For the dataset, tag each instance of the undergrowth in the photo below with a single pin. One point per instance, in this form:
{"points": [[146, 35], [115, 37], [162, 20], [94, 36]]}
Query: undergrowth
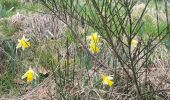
{"points": [[106, 49]]}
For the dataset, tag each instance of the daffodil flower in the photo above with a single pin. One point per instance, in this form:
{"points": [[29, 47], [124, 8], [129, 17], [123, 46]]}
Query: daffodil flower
{"points": [[134, 42], [107, 80], [94, 48], [94, 38], [94, 42], [30, 75], [24, 43]]}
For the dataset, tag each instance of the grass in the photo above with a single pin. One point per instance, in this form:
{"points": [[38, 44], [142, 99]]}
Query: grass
{"points": [[6, 28], [159, 4], [8, 7], [7, 84], [7, 79], [8, 4]]}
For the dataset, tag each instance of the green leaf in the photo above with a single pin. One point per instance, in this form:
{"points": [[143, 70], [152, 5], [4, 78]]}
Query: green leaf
{"points": [[167, 44], [88, 62]]}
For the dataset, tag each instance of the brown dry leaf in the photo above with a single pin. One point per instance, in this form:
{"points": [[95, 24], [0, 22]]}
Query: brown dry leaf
{"points": [[42, 70]]}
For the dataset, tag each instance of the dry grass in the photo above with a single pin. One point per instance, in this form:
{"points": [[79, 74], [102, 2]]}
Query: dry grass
{"points": [[38, 24]]}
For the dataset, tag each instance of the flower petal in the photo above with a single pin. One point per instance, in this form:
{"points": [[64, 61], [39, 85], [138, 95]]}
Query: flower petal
{"points": [[18, 46], [105, 83], [25, 75], [110, 78], [23, 48], [19, 40], [23, 37]]}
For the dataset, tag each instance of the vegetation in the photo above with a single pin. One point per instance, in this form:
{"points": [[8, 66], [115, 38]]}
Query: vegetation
{"points": [[84, 49]]}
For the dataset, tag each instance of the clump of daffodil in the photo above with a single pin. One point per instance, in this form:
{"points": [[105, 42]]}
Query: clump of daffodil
{"points": [[107, 80], [134, 43], [94, 43], [30, 75], [23, 43]]}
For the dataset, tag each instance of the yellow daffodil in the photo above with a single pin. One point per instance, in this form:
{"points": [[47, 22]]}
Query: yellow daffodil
{"points": [[30, 75], [107, 80], [94, 42], [94, 38], [134, 42], [94, 48], [24, 43]]}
